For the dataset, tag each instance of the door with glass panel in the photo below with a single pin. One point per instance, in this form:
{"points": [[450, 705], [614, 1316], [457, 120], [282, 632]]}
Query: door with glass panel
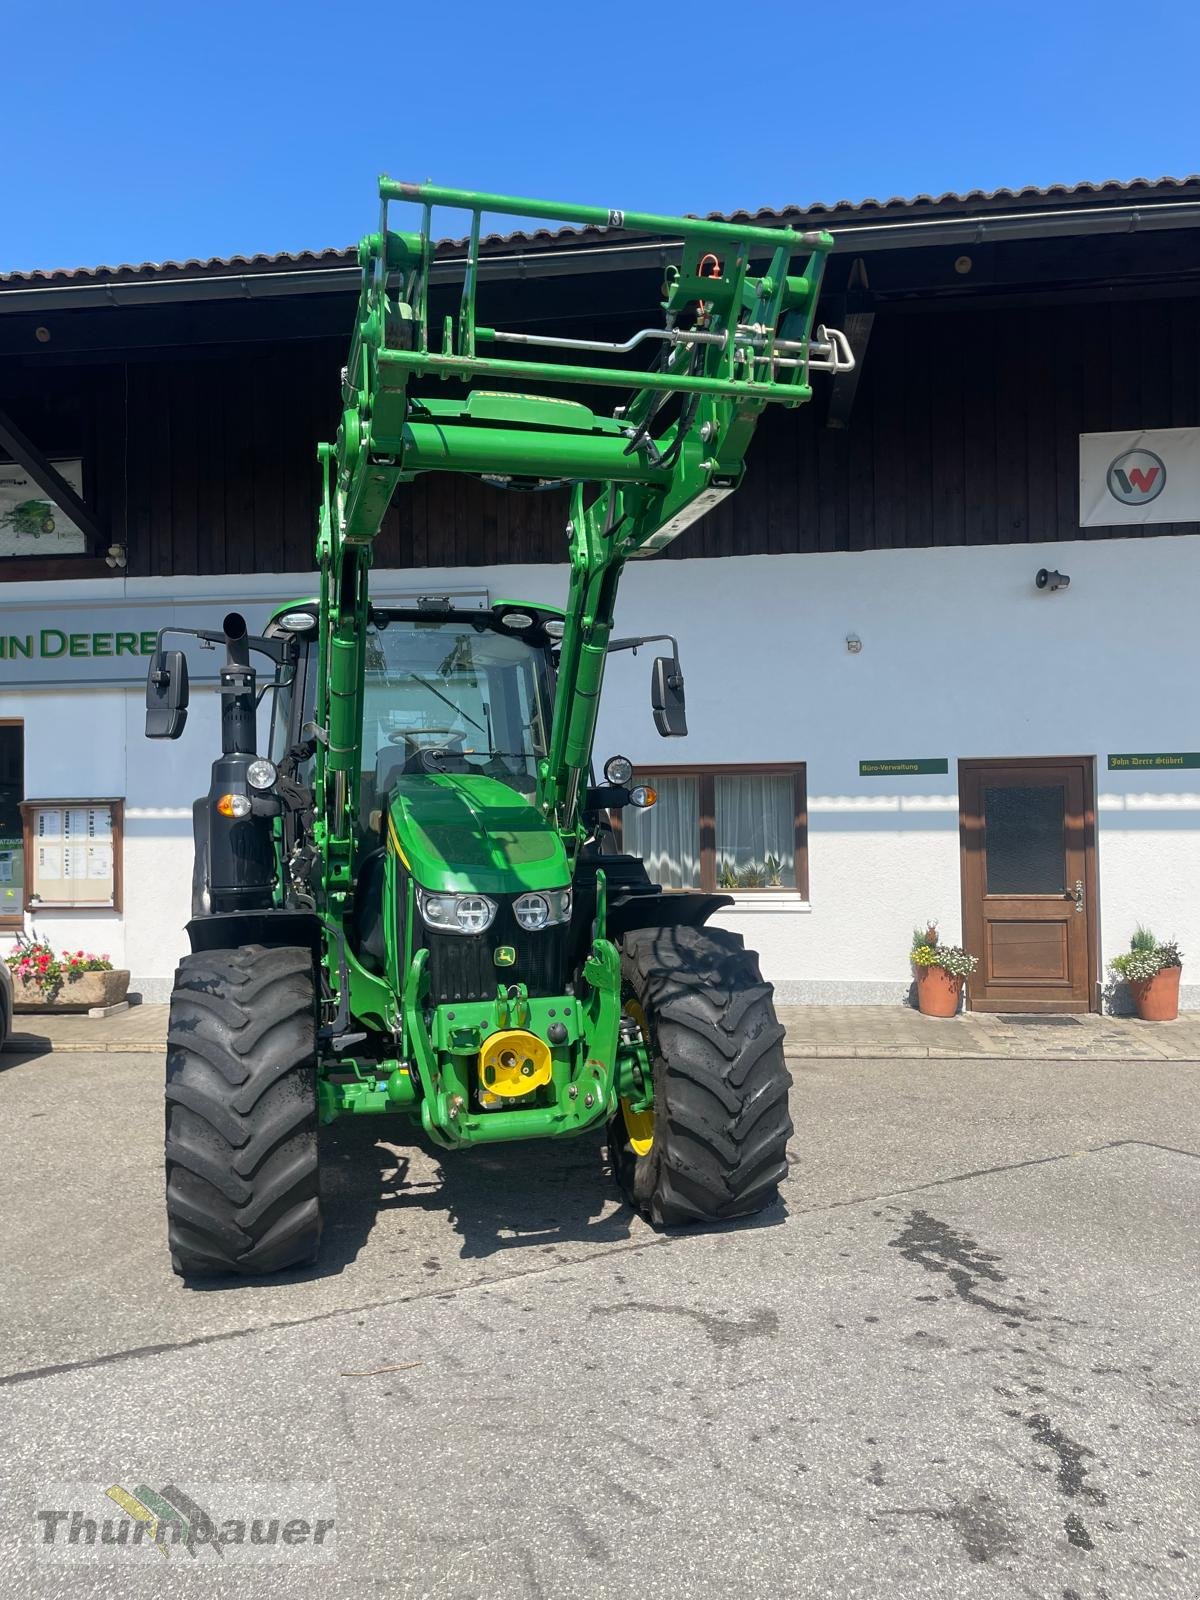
{"points": [[1027, 832]]}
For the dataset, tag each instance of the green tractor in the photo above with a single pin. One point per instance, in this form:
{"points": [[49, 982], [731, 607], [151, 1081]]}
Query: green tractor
{"points": [[412, 902]]}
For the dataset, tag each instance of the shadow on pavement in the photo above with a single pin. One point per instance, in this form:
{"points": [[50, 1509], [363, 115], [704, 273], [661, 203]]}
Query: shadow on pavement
{"points": [[19, 1048], [495, 1197]]}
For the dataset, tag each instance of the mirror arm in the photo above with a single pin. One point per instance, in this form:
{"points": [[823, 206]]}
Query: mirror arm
{"points": [[275, 649], [650, 638]]}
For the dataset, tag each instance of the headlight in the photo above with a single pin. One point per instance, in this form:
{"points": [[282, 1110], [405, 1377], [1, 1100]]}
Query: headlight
{"points": [[456, 913], [534, 911], [643, 795], [234, 805], [261, 774], [618, 769]]}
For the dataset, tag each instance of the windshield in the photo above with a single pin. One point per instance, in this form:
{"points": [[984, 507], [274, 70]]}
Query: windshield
{"points": [[452, 697]]}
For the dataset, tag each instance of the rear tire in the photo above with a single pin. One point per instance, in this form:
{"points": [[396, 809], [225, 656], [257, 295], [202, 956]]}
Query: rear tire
{"points": [[721, 1122], [241, 1100]]}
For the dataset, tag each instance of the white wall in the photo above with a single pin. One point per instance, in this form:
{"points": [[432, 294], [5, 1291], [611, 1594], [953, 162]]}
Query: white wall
{"points": [[961, 657]]}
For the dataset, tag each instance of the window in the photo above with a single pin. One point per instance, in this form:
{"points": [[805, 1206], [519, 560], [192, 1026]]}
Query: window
{"points": [[723, 828], [12, 837], [472, 695]]}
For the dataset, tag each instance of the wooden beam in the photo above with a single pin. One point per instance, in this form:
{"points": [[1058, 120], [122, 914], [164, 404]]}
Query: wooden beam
{"points": [[50, 481], [857, 328]]}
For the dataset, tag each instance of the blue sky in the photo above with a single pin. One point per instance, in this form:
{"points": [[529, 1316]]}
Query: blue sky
{"points": [[151, 131]]}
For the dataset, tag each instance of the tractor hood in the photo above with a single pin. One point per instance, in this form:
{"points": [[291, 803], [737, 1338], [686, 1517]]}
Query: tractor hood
{"points": [[463, 834]]}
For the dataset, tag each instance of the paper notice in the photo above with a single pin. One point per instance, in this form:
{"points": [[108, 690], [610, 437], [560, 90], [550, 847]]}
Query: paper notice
{"points": [[100, 861], [100, 823], [49, 861], [50, 823], [6, 869], [75, 861], [77, 823]]}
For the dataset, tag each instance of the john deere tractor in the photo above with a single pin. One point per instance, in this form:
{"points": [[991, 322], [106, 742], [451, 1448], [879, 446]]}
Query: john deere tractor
{"points": [[410, 900]]}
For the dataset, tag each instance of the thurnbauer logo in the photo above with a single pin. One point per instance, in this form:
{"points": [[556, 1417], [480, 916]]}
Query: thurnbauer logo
{"points": [[1137, 477], [169, 1521]]}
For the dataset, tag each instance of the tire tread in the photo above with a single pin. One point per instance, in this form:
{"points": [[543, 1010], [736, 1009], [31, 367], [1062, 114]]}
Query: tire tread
{"points": [[243, 1190], [721, 1083]]}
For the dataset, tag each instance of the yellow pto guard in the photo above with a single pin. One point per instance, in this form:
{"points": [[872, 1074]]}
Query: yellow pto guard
{"points": [[513, 1063]]}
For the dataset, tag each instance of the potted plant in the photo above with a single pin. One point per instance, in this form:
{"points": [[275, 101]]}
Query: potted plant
{"points": [[1152, 971], [75, 980], [940, 969]]}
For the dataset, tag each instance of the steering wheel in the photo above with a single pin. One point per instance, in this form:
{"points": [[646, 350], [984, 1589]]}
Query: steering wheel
{"points": [[400, 735]]}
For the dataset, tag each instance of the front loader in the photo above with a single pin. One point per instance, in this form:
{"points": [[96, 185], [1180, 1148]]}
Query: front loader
{"points": [[411, 901]]}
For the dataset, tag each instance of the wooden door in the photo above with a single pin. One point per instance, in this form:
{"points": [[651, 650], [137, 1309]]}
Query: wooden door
{"points": [[1027, 832]]}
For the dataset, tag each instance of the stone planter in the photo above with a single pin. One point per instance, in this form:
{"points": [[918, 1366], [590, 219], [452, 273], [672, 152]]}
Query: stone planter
{"points": [[88, 990]]}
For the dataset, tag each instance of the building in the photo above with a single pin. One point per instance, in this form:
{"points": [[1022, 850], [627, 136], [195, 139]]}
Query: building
{"points": [[891, 721]]}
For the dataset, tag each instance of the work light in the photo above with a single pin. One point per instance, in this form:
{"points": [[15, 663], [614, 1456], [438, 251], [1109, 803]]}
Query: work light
{"points": [[261, 774]]}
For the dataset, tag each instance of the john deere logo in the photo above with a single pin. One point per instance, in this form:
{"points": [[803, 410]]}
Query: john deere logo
{"points": [[1137, 477]]}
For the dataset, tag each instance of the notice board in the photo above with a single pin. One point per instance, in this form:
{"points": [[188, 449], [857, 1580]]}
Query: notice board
{"points": [[73, 853]]}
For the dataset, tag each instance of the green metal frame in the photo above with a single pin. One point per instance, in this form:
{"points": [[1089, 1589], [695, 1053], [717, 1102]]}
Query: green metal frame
{"points": [[731, 343]]}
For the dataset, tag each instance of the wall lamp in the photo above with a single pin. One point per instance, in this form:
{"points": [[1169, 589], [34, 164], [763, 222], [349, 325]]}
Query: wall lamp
{"points": [[1051, 580]]}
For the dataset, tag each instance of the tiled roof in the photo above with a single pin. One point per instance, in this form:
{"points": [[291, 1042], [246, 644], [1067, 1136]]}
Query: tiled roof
{"points": [[976, 202]]}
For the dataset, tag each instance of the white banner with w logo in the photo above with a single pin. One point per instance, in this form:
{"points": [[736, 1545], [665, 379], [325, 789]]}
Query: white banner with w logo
{"points": [[1148, 475]]}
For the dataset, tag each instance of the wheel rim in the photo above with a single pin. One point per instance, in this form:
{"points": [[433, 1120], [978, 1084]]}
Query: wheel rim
{"points": [[639, 1125]]}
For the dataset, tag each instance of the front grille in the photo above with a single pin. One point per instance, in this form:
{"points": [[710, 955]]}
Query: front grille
{"points": [[461, 965]]}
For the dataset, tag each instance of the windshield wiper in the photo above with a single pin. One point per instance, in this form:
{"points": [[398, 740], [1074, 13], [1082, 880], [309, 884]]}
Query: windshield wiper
{"points": [[446, 700]]}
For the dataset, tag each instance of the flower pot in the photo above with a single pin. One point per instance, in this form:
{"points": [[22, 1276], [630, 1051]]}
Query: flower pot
{"points": [[938, 992], [80, 994], [1156, 999]]}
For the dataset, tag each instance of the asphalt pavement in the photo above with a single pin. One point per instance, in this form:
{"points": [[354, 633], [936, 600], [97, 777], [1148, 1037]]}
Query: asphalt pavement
{"points": [[959, 1358]]}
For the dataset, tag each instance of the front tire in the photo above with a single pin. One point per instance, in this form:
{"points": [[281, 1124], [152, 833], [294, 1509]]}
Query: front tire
{"points": [[720, 1119], [241, 1102]]}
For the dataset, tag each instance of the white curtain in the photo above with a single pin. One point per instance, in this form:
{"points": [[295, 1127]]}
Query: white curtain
{"points": [[756, 830], [667, 835]]}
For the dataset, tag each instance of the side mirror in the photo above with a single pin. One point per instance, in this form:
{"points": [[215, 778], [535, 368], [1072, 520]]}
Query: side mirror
{"points": [[666, 697], [166, 694]]}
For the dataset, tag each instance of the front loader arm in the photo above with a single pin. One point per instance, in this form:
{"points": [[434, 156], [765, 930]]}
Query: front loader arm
{"points": [[730, 344]]}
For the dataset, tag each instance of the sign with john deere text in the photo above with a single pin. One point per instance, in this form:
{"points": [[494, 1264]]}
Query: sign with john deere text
{"points": [[903, 767], [1145, 475], [1158, 762]]}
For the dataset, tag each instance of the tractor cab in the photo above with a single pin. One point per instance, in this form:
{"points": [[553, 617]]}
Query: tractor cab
{"points": [[446, 692]]}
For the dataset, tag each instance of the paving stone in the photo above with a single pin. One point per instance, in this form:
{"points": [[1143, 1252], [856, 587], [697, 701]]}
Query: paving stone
{"points": [[829, 1032]]}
